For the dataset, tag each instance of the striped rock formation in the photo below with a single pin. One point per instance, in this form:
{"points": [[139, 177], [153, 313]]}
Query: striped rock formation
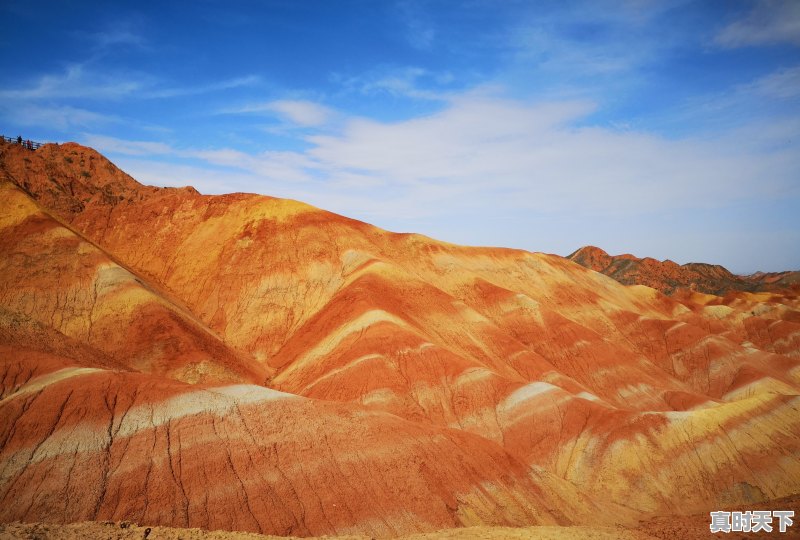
{"points": [[249, 363]]}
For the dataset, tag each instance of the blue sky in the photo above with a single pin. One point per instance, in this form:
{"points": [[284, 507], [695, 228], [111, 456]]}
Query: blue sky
{"points": [[664, 128]]}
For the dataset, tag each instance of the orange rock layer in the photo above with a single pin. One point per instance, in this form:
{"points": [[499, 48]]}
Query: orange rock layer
{"points": [[248, 363]]}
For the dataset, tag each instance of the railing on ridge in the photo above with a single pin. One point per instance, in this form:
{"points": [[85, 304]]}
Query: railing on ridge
{"points": [[15, 140]]}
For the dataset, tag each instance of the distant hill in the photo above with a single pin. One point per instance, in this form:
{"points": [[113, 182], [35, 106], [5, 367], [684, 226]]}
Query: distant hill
{"points": [[668, 276]]}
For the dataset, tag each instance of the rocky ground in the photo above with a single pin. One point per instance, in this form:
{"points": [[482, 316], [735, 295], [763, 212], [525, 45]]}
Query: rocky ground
{"points": [[689, 527], [126, 531], [696, 526]]}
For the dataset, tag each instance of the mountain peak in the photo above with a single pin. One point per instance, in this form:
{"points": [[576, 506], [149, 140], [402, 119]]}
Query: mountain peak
{"points": [[591, 257], [65, 177]]}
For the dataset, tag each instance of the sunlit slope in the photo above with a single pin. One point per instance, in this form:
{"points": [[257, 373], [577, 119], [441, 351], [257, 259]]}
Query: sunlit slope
{"points": [[100, 444], [573, 375], [51, 275], [97, 423]]}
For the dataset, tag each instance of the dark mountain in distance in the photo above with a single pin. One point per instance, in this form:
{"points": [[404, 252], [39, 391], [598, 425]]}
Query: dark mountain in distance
{"points": [[668, 276]]}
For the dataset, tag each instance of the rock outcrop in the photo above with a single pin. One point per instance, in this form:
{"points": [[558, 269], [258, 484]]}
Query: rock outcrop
{"points": [[669, 277]]}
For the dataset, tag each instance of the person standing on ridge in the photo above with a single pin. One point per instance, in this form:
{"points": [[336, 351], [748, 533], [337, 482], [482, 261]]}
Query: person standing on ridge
{"points": [[19, 140]]}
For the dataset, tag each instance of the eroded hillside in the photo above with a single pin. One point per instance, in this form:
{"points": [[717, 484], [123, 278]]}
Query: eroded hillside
{"points": [[250, 363]]}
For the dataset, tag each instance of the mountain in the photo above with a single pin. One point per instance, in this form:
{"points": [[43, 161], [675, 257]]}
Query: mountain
{"points": [[249, 363], [668, 276]]}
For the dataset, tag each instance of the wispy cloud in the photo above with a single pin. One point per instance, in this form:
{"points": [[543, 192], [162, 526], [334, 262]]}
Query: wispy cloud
{"points": [[592, 38], [117, 37], [62, 117], [781, 84], [122, 33], [77, 81], [409, 82], [404, 82], [769, 102], [299, 112], [121, 146], [769, 22], [228, 84], [419, 29]]}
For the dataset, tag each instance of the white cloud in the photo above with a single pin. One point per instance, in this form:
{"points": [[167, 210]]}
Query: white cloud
{"points": [[298, 112], [770, 21], [304, 113], [204, 179], [467, 138], [275, 166], [486, 155], [280, 166], [504, 154]]}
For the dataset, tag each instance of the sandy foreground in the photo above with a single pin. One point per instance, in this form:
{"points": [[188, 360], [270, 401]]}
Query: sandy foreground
{"points": [[126, 531], [688, 527]]}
